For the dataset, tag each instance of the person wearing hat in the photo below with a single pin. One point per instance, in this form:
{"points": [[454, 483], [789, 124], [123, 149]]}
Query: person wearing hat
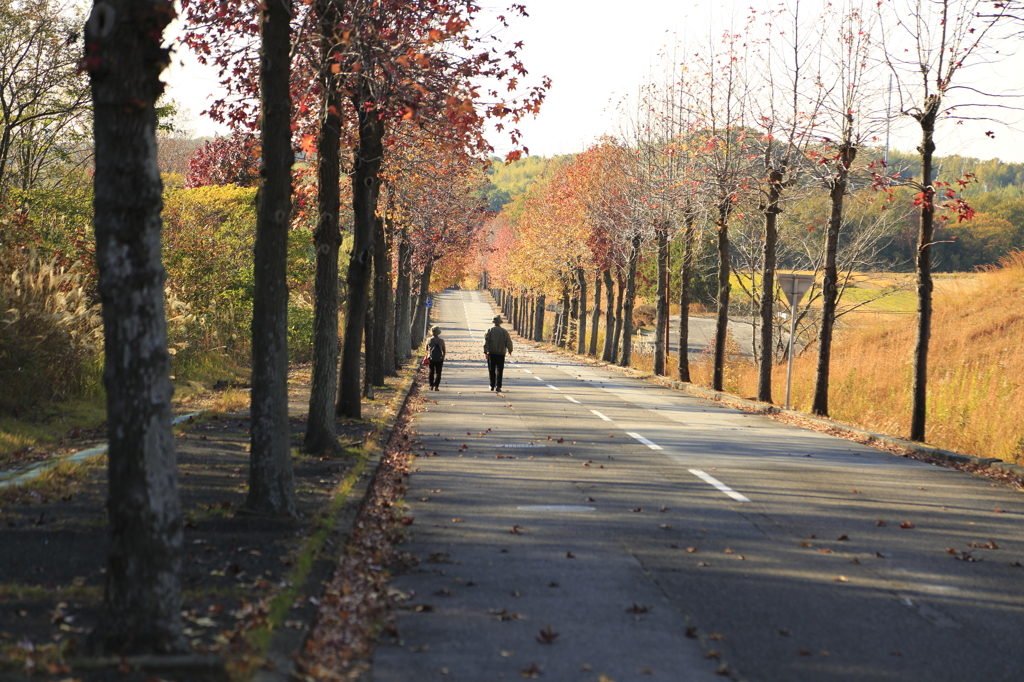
{"points": [[435, 356], [497, 342]]}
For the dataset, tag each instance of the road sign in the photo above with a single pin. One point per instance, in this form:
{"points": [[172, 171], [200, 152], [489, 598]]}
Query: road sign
{"points": [[429, 303], [794, 286]]}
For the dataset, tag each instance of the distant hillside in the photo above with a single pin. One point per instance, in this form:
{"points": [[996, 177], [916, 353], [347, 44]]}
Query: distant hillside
{"points": [[509, 180]]}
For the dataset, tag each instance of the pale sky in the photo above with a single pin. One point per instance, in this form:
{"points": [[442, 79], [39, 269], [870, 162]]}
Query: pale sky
{"points": [[597, 51]]}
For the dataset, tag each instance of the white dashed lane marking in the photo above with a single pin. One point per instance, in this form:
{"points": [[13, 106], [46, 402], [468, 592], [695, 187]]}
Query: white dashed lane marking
{"points": [[652, 445], [601, 415], [707, 478], [573, 400]]}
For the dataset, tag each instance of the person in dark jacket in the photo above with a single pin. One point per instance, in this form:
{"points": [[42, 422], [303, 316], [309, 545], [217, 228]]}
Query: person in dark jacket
{"points": [[435, 357], [497, 342]]}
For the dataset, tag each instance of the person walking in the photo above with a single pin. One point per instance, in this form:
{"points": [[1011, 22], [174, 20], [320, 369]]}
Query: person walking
{"points": [[497, 342], [435, 357]]}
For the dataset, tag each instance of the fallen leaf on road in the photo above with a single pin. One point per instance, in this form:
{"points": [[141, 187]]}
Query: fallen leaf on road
{"points": [[805, 544], [804, 652], [840, 579], [703, 564], [825, 551], [714, 653], [716, 637], [419, 649], [730, 551], [691, 550], [507, 654], [516, 530], [665, 526], [646, 671], [639, 608], [570, 555], [637, 509], [691, 632], [457, 521], [879, 522], [906, 524], [986, 545], [843, 538], [547, 636]]}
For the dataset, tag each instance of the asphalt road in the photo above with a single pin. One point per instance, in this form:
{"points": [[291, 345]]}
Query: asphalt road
{"points": [[667, 538], [701, 332]]}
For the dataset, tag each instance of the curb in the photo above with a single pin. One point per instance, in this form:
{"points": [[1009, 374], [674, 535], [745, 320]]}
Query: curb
{"points": [[20, 476], [286, 642]]}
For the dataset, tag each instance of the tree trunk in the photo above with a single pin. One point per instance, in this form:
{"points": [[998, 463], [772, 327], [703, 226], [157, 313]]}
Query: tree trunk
{"points": [[538, 323], [661, 322], [370, 343], [597, 314], [608, 352], [684, 301], [320, 432], [574, 317], [724, 286], [771, 239], [390, 366], [420, 319], [141, 610], [531, 315], [630, 299], [365, 188], [829, 287], [581, 278], [563, 331], [403, 306], [381, 294], [924, 270], [618, 315], [271, 482]]}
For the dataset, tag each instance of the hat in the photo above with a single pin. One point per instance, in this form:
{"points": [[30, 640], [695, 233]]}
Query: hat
{"points": [[497, 319]]}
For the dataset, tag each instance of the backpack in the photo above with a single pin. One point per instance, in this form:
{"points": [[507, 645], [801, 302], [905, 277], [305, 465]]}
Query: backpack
{"points": [[435, 352]]}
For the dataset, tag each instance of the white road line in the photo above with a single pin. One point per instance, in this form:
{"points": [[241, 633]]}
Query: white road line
{"points": [[553, 388], [537, 378], [601, 415], [573, 400], [652, 445], [707, 478], [528, 371]]}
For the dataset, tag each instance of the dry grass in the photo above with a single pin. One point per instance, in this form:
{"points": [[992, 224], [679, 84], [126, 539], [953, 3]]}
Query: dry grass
{"points": [[976, 369], [50, 333]]}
